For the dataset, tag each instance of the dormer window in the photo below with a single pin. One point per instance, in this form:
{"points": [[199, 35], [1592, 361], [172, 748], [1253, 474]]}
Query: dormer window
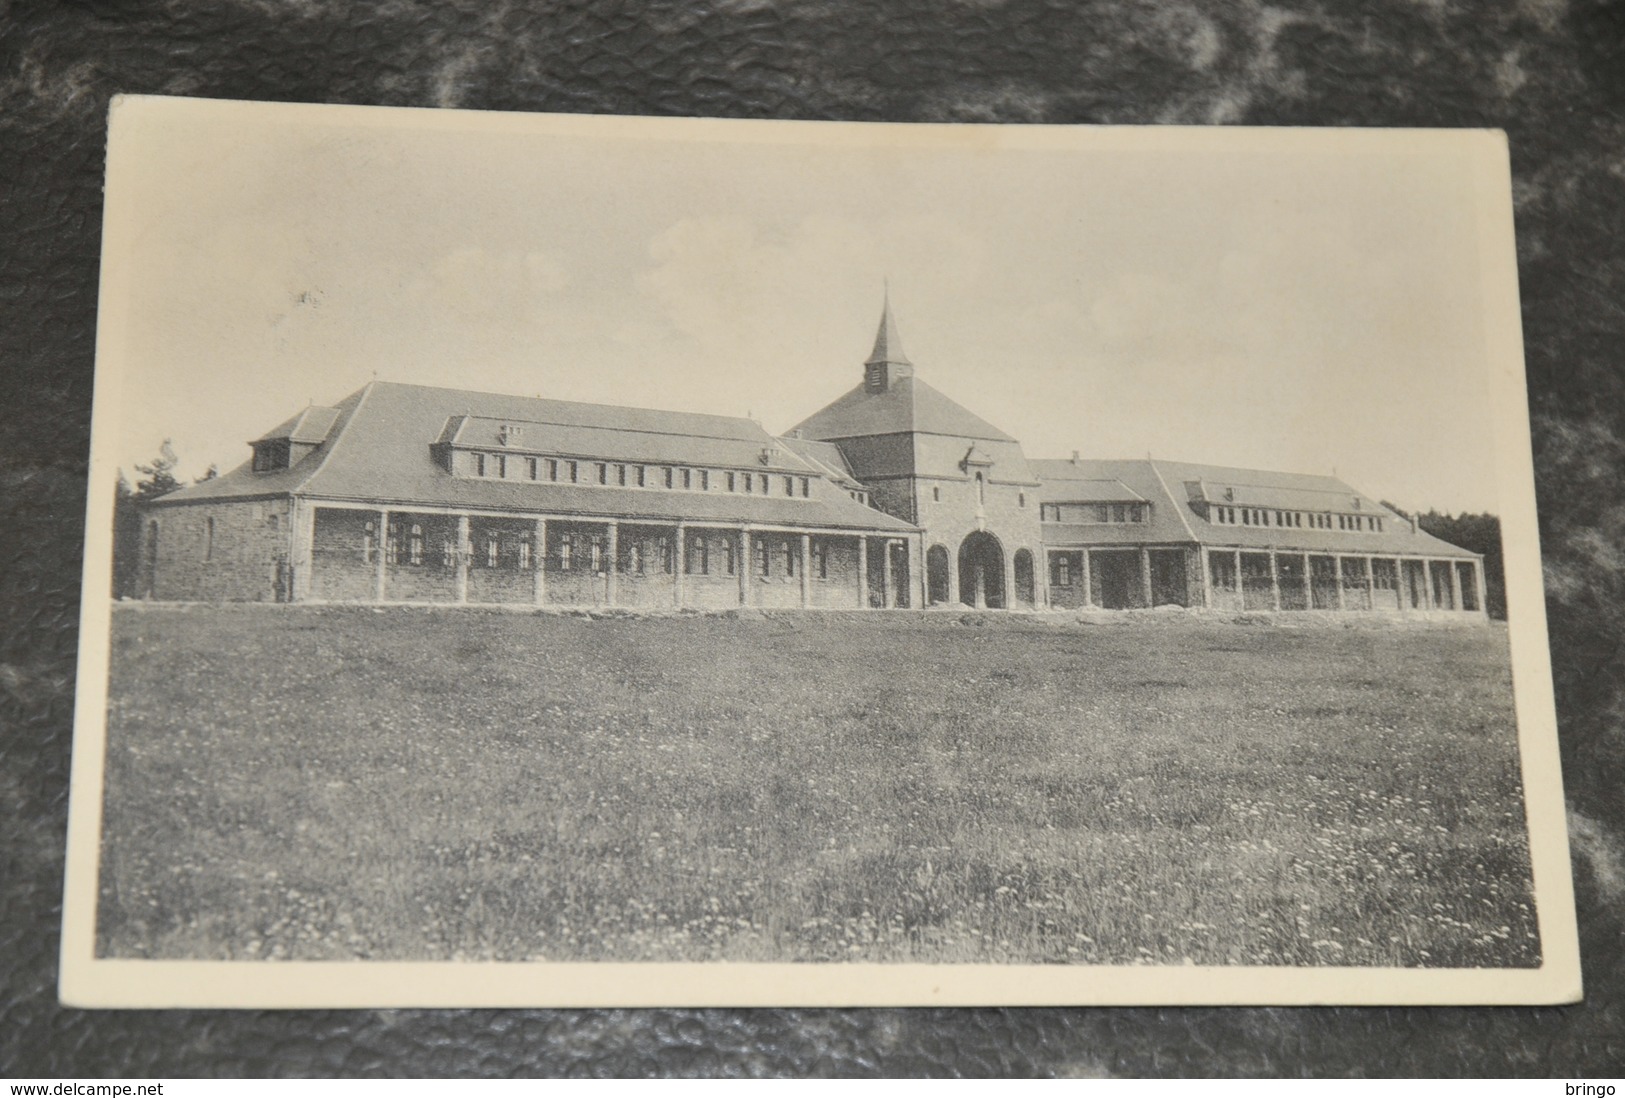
{"points": [[510, 435], [271, 455]]}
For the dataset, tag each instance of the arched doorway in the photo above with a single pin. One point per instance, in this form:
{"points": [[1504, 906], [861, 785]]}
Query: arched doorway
{"points": [[1023, 564], [936, 575], [981, 571]]}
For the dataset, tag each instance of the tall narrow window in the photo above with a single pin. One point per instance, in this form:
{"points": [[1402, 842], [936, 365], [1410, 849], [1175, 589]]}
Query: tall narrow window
{"points": [[566, 551], [764, 562], [730, 479], [524, 553], [448, 552], [671, 479], [208, 539], [501, 464], [392, 544], [936, 495], [620, 475], [765, 483], [531, 467], [705, 480], [820, 550], [639, 477], [806, 487], [698, 562], [571, 470], [479, 465], [728, 555], [603, 472], [789, 556], [493, 550], [981, 489], [1021, 499], [414, 546], [552, 469]]}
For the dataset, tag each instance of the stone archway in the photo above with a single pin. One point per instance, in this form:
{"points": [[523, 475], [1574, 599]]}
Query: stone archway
{"points": [[981, 571], [936, 575]]}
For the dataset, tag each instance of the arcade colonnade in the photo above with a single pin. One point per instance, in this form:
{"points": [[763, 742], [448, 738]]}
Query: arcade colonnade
{"points": [[362, 553], [1262, 579]]}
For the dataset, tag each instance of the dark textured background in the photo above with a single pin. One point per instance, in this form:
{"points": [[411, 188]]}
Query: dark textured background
{"points": [[1551, 72]]}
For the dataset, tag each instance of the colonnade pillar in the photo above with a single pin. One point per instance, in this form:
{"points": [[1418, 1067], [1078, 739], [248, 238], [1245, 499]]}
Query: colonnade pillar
{"points": [[1275, 581], [380, 583], [1088, 581], [464, 547], [679, 563], [806, 571], [863, 572], [744, 566], [1145, 576], [538, 562], [612, 565]]}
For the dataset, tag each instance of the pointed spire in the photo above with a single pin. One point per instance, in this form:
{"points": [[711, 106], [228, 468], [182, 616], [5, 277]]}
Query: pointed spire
{"points": [[888, 345]]}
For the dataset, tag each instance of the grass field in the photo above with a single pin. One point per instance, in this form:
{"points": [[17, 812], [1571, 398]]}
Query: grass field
{"points": [[439, 783]]}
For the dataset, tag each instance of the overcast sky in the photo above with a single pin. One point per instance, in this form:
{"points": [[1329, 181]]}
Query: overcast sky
{"points": [[1300, 302]]}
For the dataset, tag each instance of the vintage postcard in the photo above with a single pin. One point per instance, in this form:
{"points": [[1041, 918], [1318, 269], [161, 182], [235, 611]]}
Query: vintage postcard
{"points": [[552, 560]]}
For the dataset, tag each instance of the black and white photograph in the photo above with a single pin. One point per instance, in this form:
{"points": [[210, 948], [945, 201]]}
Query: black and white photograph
{"points": [[548, 560]]}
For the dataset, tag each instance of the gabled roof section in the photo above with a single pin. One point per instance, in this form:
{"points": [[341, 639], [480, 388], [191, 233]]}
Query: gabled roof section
{"points": [[825, 456], [379, 450], [580, 431], [243, 483], [1178, 490], [311, 426], [908, 406]]}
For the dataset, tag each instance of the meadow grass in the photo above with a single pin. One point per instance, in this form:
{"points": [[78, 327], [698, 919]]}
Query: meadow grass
{"points": [[410, 784]]}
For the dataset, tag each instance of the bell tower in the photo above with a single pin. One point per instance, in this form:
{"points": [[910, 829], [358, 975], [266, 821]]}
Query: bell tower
{"points": [[886, 364]]}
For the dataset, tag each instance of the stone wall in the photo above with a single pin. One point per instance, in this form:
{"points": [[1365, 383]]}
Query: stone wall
{"points": [[217, 552]]}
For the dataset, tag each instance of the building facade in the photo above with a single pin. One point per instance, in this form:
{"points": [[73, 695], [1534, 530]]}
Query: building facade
{"points": [[892, 496]]}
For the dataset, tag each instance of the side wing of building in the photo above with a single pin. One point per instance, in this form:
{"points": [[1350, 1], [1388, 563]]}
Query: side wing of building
{"points": [[405, 493], [1145, 533]]}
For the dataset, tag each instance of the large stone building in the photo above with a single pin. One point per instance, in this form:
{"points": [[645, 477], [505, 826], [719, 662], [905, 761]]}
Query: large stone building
{"points": [[892, 496]]}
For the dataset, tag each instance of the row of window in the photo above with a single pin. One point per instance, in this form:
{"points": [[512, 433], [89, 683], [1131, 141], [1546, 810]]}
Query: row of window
{"points": [[1314, 520], [575, 551], [1095, 512], [617, 474]]}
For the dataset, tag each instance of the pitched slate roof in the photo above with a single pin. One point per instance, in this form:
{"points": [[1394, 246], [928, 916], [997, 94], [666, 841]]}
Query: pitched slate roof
{"points": [[907, 406], [1175, 488], [824, 455], [379, 451]]}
